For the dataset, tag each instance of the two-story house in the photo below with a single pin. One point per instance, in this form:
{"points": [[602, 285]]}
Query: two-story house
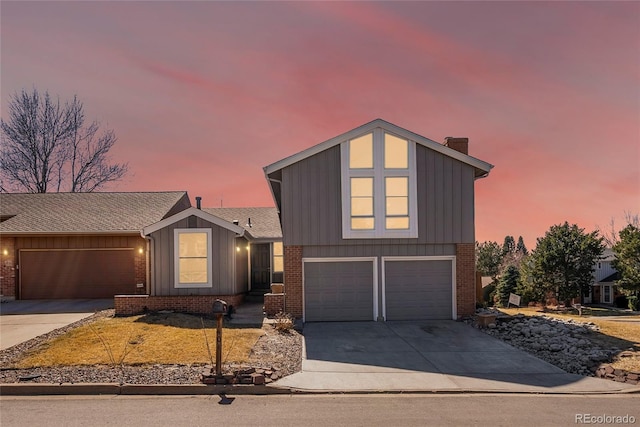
{"points": [[378, 224]]}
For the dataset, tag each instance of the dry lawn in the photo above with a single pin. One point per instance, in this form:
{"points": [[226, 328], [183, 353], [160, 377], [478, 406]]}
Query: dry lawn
{"points": [[148, 339], [621, 332]]}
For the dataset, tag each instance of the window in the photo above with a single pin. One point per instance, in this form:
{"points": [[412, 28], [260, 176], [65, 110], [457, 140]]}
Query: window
{"points": [[278, 259], [192, 249], [379, 187]]}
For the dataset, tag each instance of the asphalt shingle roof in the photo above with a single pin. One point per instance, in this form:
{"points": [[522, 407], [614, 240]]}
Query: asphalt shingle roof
{"points": [[84, 212], [265, 223]]}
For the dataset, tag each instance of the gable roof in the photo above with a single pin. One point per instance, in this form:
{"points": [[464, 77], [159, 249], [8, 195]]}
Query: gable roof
{"points": [[482, 168], [611, 278], [265, 223], [86, 213], [192, 212]]}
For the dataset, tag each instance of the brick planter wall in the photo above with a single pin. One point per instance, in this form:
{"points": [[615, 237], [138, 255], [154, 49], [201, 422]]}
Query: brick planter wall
{"points": [[8, 267], [293, 280], [127, 305], [273, 304], [465, 279]]}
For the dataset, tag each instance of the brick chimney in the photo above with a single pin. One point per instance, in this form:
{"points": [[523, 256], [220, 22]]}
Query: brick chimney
{"points": [[458, 144]]}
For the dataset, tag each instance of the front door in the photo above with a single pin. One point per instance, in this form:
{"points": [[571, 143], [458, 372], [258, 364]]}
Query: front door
{"points": [[596, 295], [261, 266]]}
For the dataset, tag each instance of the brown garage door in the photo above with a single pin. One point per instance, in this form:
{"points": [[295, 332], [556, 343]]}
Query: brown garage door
{"points": [[76, 273]]}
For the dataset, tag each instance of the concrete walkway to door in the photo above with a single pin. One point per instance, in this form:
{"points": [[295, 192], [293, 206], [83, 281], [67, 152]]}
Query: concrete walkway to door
{"points": [[435, 356], [23, 320]]}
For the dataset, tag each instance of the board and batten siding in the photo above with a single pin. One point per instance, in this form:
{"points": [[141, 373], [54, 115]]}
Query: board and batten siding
{"points": [[312, 203], [223, 260]]}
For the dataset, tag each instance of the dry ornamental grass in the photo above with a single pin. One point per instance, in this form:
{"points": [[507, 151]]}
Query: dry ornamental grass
{"points": [[148, 339]]}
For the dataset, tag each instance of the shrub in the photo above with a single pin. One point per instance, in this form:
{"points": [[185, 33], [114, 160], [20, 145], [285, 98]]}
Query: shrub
{"points": [[487, 294], [634, 304], [283, 322], [621, 302]]}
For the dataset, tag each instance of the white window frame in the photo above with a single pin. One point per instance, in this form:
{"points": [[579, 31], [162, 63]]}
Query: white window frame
{"points": [[274, 256], [176, 258], [379, 173]]}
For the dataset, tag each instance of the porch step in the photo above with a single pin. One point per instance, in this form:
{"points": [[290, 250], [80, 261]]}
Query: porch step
{"points": [[256, 295]]}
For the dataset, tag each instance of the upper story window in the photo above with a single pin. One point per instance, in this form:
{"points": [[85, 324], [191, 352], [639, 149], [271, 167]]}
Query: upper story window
{"points": [[192, 249], [379, 187]]}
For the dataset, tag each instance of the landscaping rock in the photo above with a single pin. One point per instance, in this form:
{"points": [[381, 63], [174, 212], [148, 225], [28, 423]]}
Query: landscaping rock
{"points": [[563, 343]]}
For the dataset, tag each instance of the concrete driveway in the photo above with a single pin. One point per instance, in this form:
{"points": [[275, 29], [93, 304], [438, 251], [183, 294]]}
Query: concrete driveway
{"points": [[425, 356], [21, 321]]}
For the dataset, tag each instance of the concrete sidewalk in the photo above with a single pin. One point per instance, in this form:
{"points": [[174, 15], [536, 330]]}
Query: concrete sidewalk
{"points": [[442, 356]]}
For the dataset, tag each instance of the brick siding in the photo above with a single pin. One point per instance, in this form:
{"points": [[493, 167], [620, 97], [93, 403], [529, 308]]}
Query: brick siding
{"points": [[8, 268], [140, 268], [273, 304], [293, 280], [127, 305], [465, 279]]}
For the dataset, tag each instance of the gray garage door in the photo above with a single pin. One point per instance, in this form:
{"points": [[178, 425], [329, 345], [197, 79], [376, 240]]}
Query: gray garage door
{"points": [[338, 291], [418, 290], [76, 273]]}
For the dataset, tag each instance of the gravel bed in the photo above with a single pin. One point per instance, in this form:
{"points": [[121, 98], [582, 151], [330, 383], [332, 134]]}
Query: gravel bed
{"points": [[274, 350], [563, 343]]}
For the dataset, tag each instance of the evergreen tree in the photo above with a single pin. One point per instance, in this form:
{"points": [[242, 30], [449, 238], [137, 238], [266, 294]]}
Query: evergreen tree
{"points": [[521, 248], [563, 261], [509, 246], [507, 285], [627, 261]]}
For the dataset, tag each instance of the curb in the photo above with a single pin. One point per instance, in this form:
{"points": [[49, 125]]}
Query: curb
{"points": [[44, 389]]}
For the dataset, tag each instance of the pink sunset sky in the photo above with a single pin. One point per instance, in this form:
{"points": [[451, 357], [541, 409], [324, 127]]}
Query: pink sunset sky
{"points": [[203, 95]]}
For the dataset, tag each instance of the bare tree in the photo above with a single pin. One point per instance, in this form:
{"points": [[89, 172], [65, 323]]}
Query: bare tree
{"points": [[47, 147], [611, 233]]}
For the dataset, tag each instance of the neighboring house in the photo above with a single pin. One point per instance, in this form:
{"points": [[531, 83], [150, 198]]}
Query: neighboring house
{"points": [[378, 224], [78, 245], [604, 289]]}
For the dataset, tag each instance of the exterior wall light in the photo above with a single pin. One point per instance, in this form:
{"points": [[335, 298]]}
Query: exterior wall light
{"points": [[140, 251], [5, 252]]}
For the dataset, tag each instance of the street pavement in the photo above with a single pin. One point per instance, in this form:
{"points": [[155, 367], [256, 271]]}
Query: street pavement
{"points": [[321, 410]]}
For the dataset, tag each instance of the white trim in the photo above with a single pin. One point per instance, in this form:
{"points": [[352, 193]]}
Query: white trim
{"points": [[452, 258], [379, 173], [176, 258], [374, 261], [482, 168], [195, 212]]}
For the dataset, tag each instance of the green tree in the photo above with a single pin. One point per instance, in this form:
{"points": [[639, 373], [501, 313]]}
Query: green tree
{"points": [[488, 258], [509, 245], [521, 248], [528, 288], [508, 284], [627, 259], [563, 261]]}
